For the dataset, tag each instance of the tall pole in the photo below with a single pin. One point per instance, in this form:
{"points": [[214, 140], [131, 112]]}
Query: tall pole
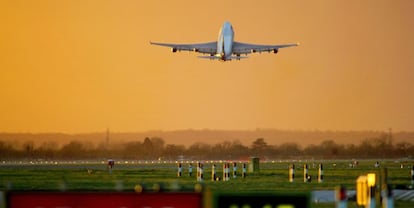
{"points": [[234, 170], [213, 172], [179, 170], [320, 173], [224, 171], [244, 171], [305, 173], [291, 172]]}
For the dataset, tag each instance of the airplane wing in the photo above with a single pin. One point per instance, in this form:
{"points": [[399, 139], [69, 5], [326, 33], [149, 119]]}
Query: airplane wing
{"points": [[205, 48], [246, 48]]}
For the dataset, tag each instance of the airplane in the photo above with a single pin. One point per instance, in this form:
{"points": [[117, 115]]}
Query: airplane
{"points": [[225, 48]]}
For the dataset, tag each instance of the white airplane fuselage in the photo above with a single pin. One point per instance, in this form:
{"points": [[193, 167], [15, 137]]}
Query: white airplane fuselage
{"points": [[225, 48], [225, 42]]}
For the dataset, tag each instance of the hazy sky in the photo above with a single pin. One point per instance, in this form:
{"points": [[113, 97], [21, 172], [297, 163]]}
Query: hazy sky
{"points": [[82, 66]]}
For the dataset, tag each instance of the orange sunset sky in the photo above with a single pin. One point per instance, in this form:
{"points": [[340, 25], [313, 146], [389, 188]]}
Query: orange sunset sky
{"points": [[84, 66]]}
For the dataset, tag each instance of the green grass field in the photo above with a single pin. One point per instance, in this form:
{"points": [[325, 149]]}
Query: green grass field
{"points": [[273, 177]]}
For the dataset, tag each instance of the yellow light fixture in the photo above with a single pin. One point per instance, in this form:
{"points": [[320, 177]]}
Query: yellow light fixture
{"points": [[371, 179]]}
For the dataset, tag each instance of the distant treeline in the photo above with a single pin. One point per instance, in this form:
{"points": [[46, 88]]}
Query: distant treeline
{"points": [[189, 136], [155, 148]]}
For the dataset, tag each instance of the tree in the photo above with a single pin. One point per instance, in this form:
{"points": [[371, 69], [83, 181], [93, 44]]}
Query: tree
{"points": [[402, 149], [147, 149], [238, 150], [200, 150], [329, 148], [289, 149], [28, 148], [47, 150], [157, 146], [7, 151], [259, 147], [351, 150], [72, 150], [221, 150], [133, 150], [312, 150], [383, 145], [172, 151]]}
